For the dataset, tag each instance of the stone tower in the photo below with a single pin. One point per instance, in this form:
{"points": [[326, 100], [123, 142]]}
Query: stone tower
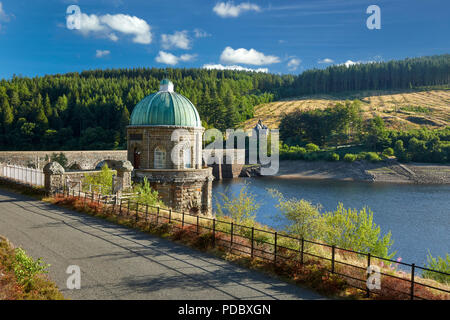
{"points": [[172, 164]]}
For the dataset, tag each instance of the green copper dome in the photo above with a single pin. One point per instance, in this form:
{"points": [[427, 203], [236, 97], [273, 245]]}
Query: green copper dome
{"points": [[165, 108]]}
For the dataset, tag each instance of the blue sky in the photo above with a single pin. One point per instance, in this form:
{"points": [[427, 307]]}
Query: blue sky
{"points": [[276, 36]]}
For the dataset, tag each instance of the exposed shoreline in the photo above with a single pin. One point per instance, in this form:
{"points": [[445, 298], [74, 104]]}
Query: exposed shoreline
{"points": [[388, 171]]}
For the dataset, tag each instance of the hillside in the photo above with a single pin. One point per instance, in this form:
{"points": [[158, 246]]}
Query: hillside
{"points": [[400, 110]]}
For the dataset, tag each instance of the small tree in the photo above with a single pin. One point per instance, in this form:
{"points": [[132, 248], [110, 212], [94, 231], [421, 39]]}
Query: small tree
{"points": [[303, 219], [438, 264], [241, 208], [146, 195], [355, 230], [103, 179]]}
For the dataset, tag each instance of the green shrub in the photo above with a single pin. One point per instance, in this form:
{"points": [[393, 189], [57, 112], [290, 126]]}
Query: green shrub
{"points": [[333, 157], [388, 152], [350, 157], [146, 195], [355, 230], [60, 158], [311, 147], [25, 268], [372, 157], [438, 264], [313, 156], [103, 179], [241, 208], [303, 218]]}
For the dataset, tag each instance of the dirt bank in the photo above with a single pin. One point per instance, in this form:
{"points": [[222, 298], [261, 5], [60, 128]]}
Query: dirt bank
{"points": [[385, 171]]}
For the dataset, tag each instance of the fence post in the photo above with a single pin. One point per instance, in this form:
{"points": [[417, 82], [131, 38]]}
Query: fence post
{"points": [[128, 210], [170, 215], [146, 212], [157, 215], [120, 207], [182, 219], [137, 213], [275, 248], [302, 250], [413, 268], [231, 240], [79, 189], [197, 224], [214, 232], [332, 258], [253, 236], [368, 274]]}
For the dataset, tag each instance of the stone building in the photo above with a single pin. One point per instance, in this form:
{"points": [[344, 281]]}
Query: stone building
{"points": [[165, 146]]}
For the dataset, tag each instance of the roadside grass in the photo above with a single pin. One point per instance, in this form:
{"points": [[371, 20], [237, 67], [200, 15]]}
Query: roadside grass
{"points": [[22, 188], [22, 278], [313, 273]]}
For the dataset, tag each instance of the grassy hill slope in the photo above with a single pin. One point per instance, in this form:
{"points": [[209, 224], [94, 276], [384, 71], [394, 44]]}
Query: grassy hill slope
{"points": [[400, 110]]}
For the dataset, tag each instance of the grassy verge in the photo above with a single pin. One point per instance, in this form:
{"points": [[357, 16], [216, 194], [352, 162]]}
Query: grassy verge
{"points": [[22, 278], [25, 189], [313, 273]]}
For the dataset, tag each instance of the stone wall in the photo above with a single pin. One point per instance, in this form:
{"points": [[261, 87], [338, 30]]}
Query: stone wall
{"points": [[56, 178], [81, 160], [188, 190]]}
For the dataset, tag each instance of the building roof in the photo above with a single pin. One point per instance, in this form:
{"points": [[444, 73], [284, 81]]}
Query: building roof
{"points": [[165, 108]]}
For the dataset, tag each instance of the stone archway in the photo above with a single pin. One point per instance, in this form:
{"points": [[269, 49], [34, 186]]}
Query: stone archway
{"points": [[74, 167]]}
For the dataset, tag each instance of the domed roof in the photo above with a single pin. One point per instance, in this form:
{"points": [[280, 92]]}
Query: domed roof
{"points": [[165, 108]]}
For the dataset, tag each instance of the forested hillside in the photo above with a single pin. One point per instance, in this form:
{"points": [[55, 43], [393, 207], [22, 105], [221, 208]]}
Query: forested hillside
{"points": [[401, 74], [90, 110]]}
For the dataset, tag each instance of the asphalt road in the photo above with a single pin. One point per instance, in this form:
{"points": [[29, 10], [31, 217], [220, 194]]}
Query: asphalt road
{"points": [[121, 263]]}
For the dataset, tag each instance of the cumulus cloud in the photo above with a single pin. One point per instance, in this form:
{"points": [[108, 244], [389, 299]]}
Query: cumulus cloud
{"points": [[253, 57], [199, 33], [3, 16], [179, 40], [326, 60], [229, 9], [101, 53], [234, 67], [171, 59], [349, 63], [293, 64], [108, 25]]}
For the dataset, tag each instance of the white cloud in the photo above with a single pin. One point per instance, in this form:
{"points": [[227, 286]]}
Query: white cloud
{"points": [[349, 63], [102, 53], [107, 24], [293, 64], [253, 57], [171, 59], [113, 37], [228, 9], [199, 33], [129, 25], [326, 60], [3, 16], [187, 57], [234, 67], [179, 40]]}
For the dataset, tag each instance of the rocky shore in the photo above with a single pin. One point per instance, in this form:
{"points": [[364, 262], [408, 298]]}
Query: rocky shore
{"points": [[384, 171]]}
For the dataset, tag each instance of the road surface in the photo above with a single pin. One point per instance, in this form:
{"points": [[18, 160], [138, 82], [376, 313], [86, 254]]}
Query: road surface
{"points": [[120, 263]]}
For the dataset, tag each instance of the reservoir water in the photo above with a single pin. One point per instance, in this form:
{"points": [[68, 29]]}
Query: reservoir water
{"points": [[417, 215]]}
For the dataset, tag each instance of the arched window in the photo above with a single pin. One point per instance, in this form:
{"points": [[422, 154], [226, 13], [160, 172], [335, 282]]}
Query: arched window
{"points": [[187, 157], [160, 158]]}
